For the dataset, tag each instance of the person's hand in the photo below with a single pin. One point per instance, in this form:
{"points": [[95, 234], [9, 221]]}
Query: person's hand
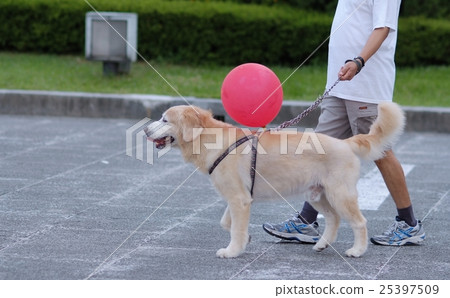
{"points": [[348, 71]]}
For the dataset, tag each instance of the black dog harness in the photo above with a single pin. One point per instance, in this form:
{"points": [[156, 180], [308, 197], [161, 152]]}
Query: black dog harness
{"points": [[254, 141]]}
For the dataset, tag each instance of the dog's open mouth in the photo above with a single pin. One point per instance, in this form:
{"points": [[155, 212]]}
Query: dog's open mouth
{"points": [[161, 143]]}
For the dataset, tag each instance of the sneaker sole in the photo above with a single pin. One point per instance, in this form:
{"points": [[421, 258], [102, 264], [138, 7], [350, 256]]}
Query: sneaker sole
{"points": [[409, 241], [287, 236]]}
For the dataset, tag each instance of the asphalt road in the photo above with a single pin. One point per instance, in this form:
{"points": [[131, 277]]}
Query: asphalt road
{"points": [[73, 205]]}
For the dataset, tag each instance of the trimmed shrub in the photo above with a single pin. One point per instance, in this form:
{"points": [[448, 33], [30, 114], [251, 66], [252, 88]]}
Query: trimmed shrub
{"points": [[428, 8], [42, 26], [423, 41], [199, 32], [409, 8]]}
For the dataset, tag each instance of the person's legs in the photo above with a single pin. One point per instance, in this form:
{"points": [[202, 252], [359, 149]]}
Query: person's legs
{"points": [[393, 176]]}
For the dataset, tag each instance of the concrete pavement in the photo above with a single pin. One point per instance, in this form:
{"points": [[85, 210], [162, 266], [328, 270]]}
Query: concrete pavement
{"points": [[73, 205]]}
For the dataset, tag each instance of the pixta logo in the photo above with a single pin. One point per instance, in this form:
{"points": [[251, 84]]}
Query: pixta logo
{"points": [[136, 139], [137, 145]]}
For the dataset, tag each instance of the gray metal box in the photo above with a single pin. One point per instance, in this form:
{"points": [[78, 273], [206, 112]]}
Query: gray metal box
{"points": [[111, 36]]}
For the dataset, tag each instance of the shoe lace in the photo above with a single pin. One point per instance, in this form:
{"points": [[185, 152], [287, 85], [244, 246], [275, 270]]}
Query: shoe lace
{"points": [[393, 227], [295, 218]]}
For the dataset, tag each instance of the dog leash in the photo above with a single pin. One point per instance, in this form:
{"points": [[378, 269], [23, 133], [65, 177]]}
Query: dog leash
{"points": [[307, 111]]}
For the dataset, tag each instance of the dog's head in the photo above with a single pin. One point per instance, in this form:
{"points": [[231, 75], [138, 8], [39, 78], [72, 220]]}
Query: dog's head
{"points": [[177, 126]]}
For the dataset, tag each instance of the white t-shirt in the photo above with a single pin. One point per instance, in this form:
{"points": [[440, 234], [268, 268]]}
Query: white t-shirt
{"points": [[353, 23]]}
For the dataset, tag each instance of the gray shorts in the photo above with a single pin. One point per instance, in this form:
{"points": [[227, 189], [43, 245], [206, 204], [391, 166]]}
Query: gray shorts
{"points": [[341, 119]]}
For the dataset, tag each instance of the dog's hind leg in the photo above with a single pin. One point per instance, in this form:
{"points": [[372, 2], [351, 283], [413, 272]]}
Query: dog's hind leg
{"points": [[345, 200], [239, 213], [332, 221]]}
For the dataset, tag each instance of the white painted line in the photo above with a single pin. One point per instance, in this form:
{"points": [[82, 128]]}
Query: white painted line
{"points": [[373, 191]]}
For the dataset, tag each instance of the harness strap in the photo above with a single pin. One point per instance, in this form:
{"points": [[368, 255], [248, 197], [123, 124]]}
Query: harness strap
{"points": [[253, 164], [234, 146]]}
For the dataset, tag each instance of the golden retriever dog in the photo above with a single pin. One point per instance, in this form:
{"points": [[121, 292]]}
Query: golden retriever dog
{"points": [[287, 163]]}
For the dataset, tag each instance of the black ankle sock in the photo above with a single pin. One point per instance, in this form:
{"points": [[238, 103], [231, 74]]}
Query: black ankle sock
{"points": [[308, 214], [407, 214]]}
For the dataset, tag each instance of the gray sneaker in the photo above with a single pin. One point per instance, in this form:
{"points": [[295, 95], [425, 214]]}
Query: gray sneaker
{"points": [[294, 229], [400, 233]]}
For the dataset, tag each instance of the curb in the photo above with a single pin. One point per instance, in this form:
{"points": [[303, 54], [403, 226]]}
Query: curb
{"points": [[137, 106]]}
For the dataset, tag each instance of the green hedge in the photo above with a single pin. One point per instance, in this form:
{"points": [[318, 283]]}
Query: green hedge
{"points": [[42, 26], [198, 32], [409, 8], [423, 41]]}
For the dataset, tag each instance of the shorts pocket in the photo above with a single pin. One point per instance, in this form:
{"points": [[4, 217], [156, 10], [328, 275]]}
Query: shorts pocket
{"points": [[363, 124]]}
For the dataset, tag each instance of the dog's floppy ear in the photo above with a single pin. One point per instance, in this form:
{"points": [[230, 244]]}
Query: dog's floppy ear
{"points": [[192, 128], [191, 133]]}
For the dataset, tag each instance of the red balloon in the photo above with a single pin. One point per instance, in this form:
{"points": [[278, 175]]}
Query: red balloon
{"points": [[252, 94]]}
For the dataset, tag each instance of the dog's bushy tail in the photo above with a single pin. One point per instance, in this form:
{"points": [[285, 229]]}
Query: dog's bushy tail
{"points": [[383, 133]]}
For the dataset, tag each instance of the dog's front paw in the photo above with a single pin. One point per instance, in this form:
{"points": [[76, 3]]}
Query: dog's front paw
{"points": [[354, 253], [227, 253], [319, 247]]}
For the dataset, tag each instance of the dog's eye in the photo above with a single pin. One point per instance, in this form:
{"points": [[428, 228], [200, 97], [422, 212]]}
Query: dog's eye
{"points": [[164, 120]]}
